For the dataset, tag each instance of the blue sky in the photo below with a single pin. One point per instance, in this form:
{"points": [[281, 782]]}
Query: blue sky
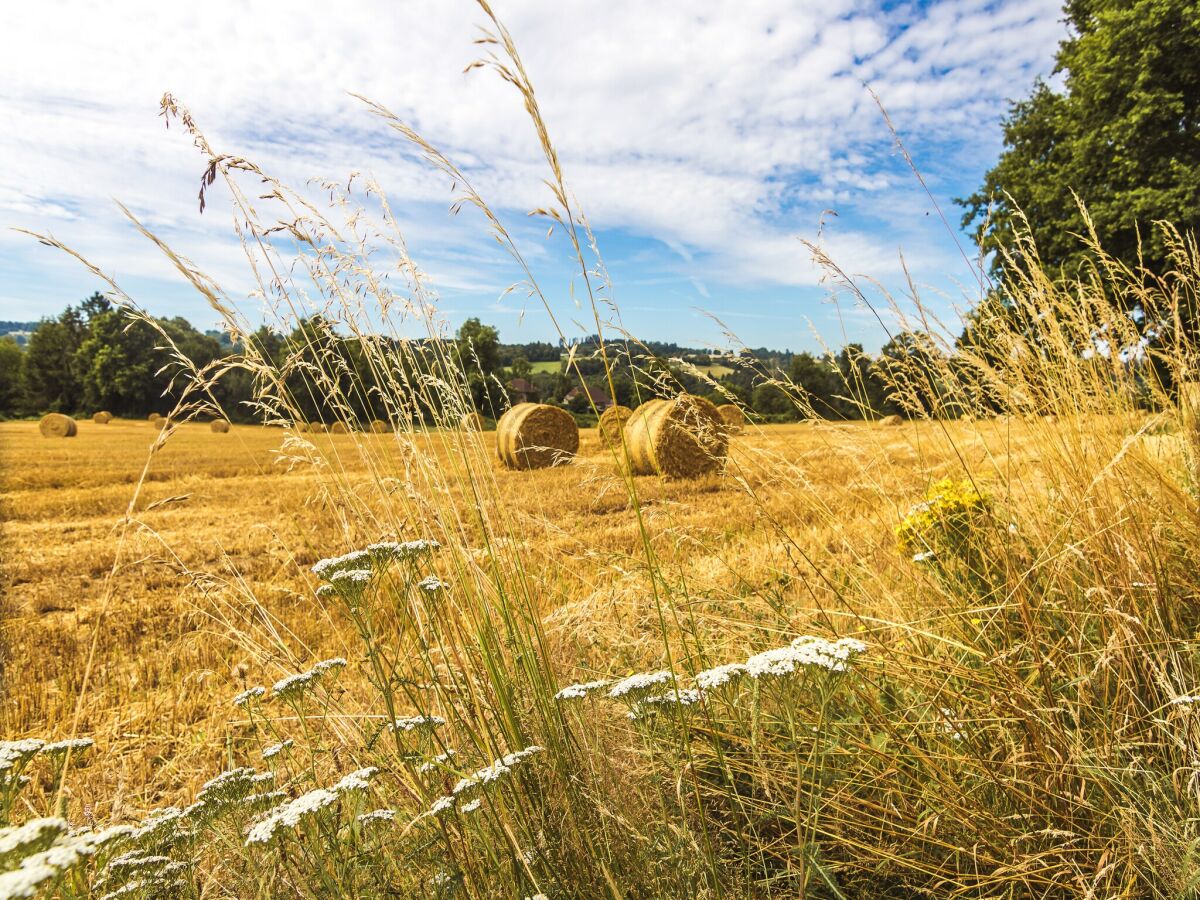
{"points": [[704, 140]]}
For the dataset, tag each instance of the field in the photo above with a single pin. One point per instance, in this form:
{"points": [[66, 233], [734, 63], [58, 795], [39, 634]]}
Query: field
{"points": [[220, 509], [148, 582]]}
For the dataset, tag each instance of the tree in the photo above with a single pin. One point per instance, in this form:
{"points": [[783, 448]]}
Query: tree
{"points": [[52, 380], [521, 368], [479, 346], [1123, 134], [12, 360]]}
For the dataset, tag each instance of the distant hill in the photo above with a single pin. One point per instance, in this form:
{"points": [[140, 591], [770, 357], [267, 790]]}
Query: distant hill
{"points": [[14, 327]]}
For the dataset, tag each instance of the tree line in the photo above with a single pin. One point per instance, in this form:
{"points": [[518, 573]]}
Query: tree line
{"points": [[94, 356]]}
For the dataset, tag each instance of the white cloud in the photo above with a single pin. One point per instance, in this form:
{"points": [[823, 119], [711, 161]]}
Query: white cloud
{"points": [[721, 130]]}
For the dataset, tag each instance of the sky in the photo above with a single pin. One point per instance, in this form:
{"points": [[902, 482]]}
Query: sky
{"points": [[706, 142]]}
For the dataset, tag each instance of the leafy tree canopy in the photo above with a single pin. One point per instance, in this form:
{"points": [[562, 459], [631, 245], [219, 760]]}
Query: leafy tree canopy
{"points": [[1123, 133]]}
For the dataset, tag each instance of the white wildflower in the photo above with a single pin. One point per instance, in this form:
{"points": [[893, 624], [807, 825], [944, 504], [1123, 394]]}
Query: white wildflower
{"points": [[70, 745], [351, 582], [440, 805], [440, 760], [289, 815], [353, 560], [24, 882], [472, 806], [34, 835], [581, 690], [416, 723], [710, 679], [247, 695], [275, 749], [924, 556], [1185, 700], [15, 754], [639, 684], [293, 687], [675, 697], [358, 780], [806, 651], [376, 816], [432, 584], [948, 726], [137, 862]]}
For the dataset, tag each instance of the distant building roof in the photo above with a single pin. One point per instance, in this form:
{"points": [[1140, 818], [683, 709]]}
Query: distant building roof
{"points": [[522, 386], [595, 394]]}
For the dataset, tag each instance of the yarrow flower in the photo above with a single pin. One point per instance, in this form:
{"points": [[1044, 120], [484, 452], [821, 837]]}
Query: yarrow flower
{"points": [[70, 745], [358, 780], [32, 836], [416, 723], [376, 816], [719, 676], [675, 697], [806, 651], [472, 806], [579, 691], [636, 686], [924, 556], [275, 749], [432, 584], [350, 582], [15, 754], [289, 815], [247, 695], [326, 568], [440, 760], [293, 687]]}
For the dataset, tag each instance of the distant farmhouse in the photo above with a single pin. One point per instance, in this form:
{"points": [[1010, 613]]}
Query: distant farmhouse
{"points": [[595, 395], [521, 390]]}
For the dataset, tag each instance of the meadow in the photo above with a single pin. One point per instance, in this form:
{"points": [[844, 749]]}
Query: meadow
{"points": [[949, 656]]}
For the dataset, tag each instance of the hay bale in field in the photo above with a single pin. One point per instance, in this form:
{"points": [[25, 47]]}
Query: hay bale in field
{"points": [[473, 421], [318, 428], [732, 416], [683, 437], [56, 425], [102, 418], [341, 428], [891, 421], [302, 427], [378, 426], [612, 423], [161, 422], [219, 426], [153, 417], [535, 435]]}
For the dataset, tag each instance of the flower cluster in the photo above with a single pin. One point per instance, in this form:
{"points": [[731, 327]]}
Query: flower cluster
{"points": [[635, 687], [581, 690], [275, 749], [249, 695], [804, 652], [467, 788], [944, 521], [416, 723], [294, 687]]}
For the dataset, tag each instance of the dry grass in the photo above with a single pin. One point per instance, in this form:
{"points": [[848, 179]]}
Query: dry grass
{"points": [[225, 524]]}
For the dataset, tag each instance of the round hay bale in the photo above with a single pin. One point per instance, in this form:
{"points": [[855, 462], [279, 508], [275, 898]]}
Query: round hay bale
{"points": [[56, 425], [891, 421], [732, 416], [612, 423], [378, 426], [473, 421], [219, 426], [102, 418], [535, 435], [161, 422], [680, 438], [340, 428], [153, 417], [302, 427], [318, 428]]}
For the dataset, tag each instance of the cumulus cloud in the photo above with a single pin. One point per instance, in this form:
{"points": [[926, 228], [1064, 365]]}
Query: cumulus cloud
{"points": [[712, 133]]}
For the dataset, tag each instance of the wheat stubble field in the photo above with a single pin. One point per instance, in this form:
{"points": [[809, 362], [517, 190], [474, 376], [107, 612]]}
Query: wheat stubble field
{"points": [[224, 523]]}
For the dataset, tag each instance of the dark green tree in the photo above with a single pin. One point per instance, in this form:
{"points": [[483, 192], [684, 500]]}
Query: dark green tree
{"points": [[12, 361], [52, 381], [1123, 133]]}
